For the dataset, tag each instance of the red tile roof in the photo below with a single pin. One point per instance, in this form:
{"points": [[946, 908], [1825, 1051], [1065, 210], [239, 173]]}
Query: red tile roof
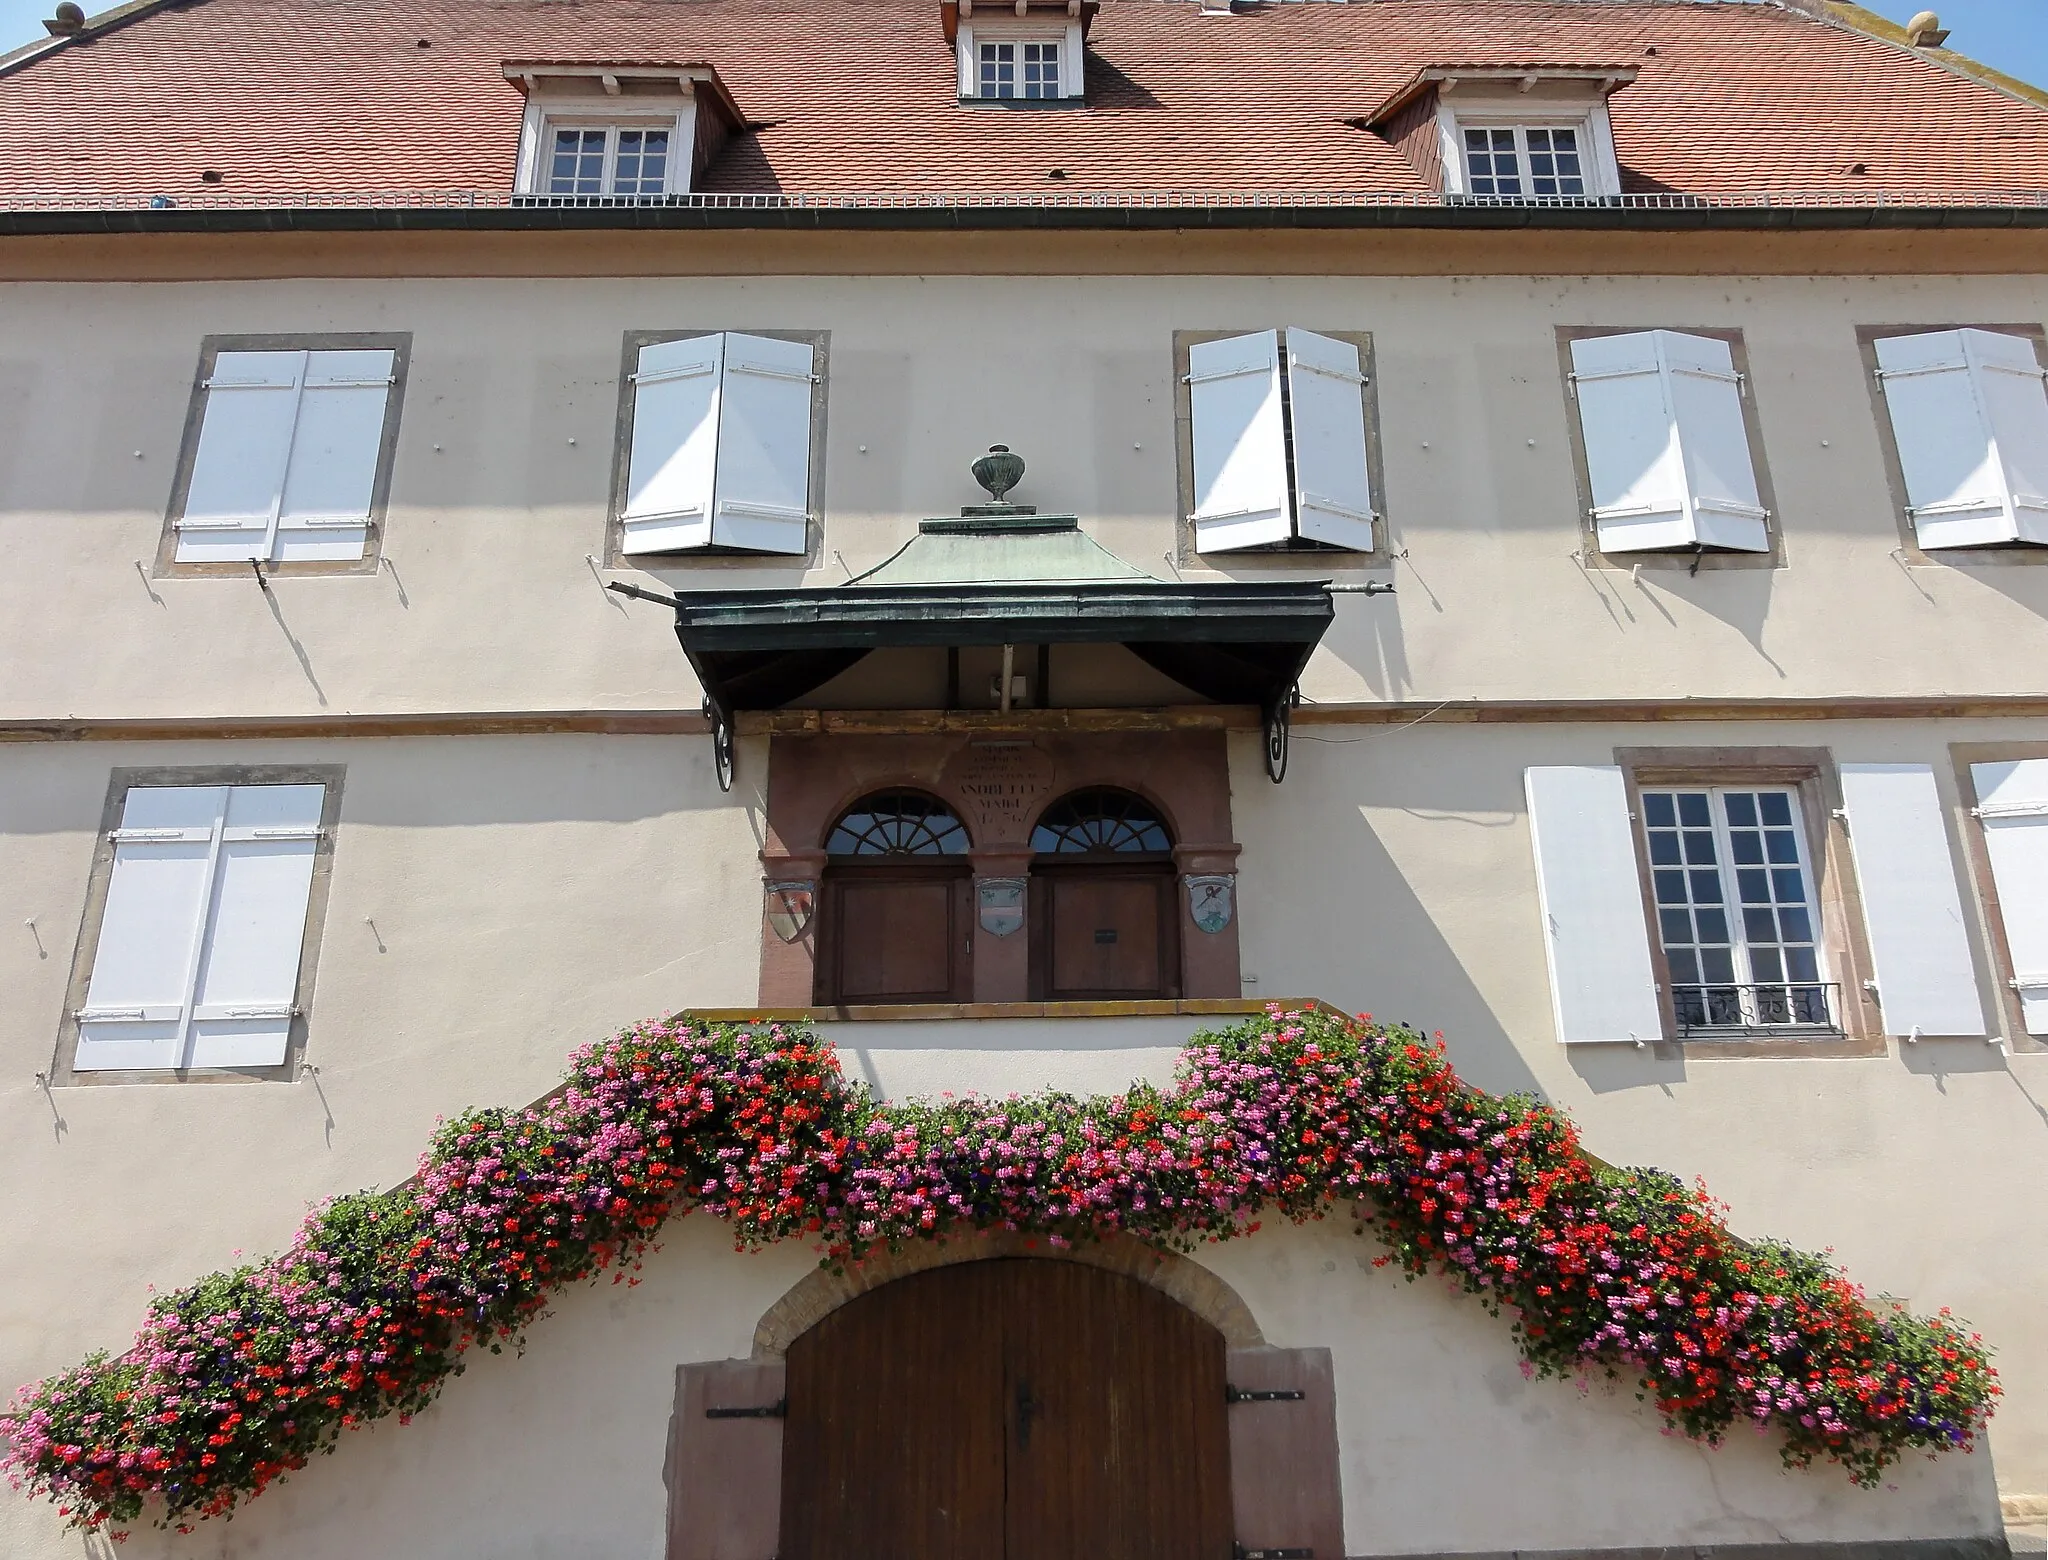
{"points": [[336, 97]]}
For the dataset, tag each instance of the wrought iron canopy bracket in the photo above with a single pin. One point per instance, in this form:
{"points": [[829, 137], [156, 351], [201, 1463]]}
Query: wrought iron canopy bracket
{"points": [[1276, 722]]}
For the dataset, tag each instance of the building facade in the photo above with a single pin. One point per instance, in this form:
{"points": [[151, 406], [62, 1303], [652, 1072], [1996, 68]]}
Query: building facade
{"points": [[1524, 518]]}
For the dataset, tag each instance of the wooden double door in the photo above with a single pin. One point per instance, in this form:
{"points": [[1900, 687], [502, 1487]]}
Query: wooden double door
{"points": [[1007, 1410]]}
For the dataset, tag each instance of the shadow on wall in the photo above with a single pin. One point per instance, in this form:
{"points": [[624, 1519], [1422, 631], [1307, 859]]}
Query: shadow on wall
{"points": [[1320, 882]]}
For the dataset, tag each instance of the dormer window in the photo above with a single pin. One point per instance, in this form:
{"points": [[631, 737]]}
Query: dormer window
{"points": [[1020, 69], [618, 133], [609, 159], [1501, 133], [1523, 160], [1027, 51]]}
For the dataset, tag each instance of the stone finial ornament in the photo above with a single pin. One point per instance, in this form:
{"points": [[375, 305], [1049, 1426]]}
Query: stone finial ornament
{"points": [[998, 471]]}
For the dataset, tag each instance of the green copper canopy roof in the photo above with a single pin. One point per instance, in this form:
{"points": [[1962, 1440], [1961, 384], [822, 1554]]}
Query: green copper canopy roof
{"points": [[1018, 548], [1002, 574]]}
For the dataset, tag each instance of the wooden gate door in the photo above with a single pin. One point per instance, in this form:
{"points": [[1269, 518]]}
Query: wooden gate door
{"points": [[1007, 1410]]}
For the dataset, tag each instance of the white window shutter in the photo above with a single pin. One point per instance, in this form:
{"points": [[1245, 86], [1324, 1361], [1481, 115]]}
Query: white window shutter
{"points": [[1706, 401], [674, 454], [2012, 804], [1240, 443], [763, 485], [238, 471], [2015, 400], [1332, 488], [1590, 892], [1919, 945], [136, 1001], [1630, 432], [331, 479], [1955, 483], [249, 976]]}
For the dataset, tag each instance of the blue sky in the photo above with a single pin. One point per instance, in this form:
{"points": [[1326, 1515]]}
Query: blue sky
{"points": [[2010, 34]]}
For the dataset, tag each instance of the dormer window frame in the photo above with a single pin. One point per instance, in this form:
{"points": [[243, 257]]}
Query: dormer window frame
{"points": [[1458, 112], [985, 25], [548, 117], [685, 102]]}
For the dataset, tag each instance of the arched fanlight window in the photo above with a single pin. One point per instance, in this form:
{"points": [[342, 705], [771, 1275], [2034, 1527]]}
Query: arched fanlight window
{"points": [[897, 823], [1102, 819]]}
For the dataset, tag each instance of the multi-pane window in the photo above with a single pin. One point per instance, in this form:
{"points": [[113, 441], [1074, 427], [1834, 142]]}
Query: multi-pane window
{"points": [[1735, 908], [608, 160], [198, 952], [1523, 160], [1020, 70]]}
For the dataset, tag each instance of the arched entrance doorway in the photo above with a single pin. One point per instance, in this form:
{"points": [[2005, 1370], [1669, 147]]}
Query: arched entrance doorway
{"points": [[895, 921], [1011, 1409], [1105, 921]]}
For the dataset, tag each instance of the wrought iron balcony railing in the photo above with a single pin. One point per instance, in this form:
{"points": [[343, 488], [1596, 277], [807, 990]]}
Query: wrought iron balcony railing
{"points": [[1802, 1008]]}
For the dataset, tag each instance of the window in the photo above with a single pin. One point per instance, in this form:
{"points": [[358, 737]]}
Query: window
{"points": [[206, 889], [1027, 70], [608, 160], [1278, 442], [1523, 160], [1701, 894], [1018, 59], [1968, 414], [288, 453], [1103, 819], [1734, 908], [897, 823], [719, 449], [1666, 439]]}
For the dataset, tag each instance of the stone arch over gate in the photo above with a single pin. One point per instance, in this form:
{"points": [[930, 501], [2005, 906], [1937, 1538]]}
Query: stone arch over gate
{"points": [[724, 1463], [824, 1291]]}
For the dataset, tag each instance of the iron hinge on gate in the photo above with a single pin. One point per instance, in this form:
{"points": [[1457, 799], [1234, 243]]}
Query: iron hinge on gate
{"points": [[779, 1409], [1239, 1395], [1242, 1553]]}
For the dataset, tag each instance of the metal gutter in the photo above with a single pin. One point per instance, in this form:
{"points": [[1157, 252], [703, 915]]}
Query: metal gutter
{"points": [[1010, 218]]}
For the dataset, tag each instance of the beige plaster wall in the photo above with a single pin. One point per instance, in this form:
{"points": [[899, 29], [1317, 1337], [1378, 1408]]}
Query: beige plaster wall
{"points": [[1409, 850], [490, 602], [1446, 1447], [532, 893]]}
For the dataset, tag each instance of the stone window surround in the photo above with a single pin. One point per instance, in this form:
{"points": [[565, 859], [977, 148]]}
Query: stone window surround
{"points": [[615, 555], [1589, 535], [1909, 549], [812, 780], [398, 343], [1320, 559], [331, 777], [1811, 774], [2005, 1011]]}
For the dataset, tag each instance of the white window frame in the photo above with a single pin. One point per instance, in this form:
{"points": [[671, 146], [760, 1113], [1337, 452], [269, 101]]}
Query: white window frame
{"points": [[1456, 113], [998, 29], [547, 114], [66, 1068], [1732, 906]]}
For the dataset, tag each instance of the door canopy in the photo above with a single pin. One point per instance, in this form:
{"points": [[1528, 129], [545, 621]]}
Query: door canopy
{"points": [[1003, 574]]}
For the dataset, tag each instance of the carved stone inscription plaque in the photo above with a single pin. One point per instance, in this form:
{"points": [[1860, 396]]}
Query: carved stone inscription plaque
{"points": [[1002, 785]]}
